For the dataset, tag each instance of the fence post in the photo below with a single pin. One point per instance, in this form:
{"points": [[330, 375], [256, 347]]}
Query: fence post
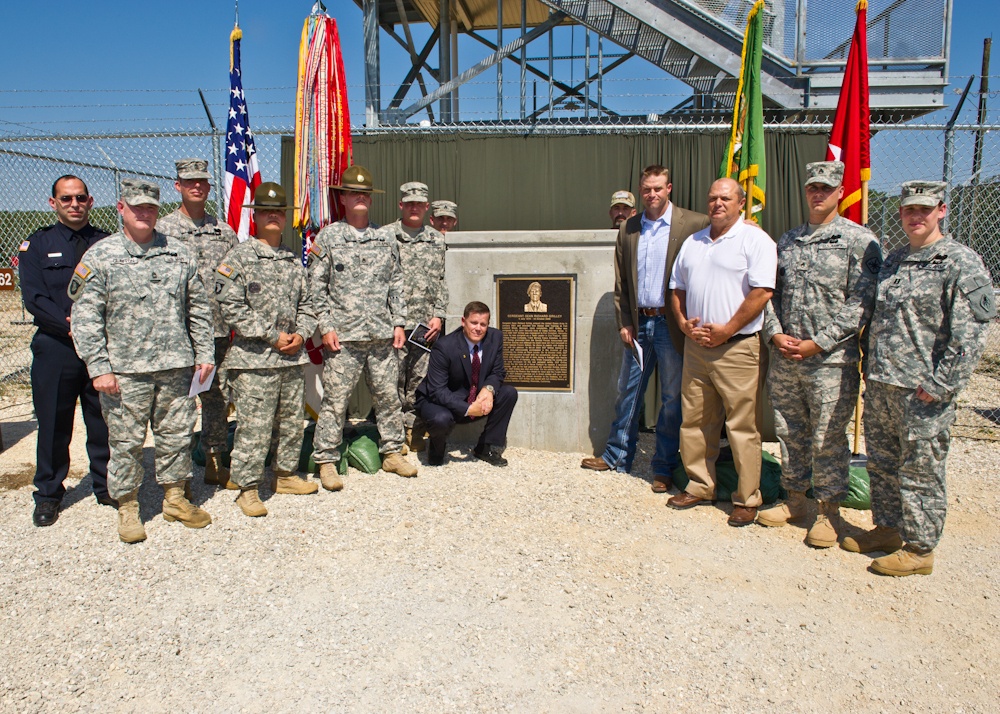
{"points": [[220, 211]]}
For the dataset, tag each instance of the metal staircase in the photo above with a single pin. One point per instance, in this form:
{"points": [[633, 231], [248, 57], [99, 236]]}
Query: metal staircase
{"points": [[698, 42]]}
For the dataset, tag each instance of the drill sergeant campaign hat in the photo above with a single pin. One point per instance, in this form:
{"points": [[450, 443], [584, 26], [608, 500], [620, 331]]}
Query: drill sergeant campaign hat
{"points": [[270, 196], [444, 208], [357, 178], [830, 173], [413, 191], [623, 197], [137, 192], [922, 193], [192, 169]]}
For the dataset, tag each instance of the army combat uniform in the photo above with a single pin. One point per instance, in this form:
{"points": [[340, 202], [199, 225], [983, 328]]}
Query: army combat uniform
{"points": [[824, 292], [209, 240], [422, 255], [262, 292], [928, 330], [142, 314], [357, 288]]}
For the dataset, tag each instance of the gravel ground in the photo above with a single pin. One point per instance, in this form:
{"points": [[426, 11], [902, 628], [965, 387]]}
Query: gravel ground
{"points": [[536, 588]]}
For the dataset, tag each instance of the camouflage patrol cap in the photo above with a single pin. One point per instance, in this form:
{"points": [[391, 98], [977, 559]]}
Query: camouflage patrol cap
{"points": [[357, 178], [137, 192], [270, 196], [623, 197], [192, 169], [830, 173], [413, 191], [922, 193], [444, 208]]}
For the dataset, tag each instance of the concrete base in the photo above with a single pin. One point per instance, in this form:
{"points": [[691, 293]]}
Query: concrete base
{"points": [[576, 421]]}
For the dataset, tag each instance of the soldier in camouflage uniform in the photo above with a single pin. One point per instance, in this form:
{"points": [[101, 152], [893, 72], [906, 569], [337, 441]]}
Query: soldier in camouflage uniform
{"points": [[933, 303], [356, 284], [444, 216], [141, 320], [261, 288], [209, 240], [823, 296], [421, 253]]}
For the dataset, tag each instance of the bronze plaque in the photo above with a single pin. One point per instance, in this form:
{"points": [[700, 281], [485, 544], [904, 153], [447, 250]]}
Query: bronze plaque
{"points": [[6, 278], [535, 314]]}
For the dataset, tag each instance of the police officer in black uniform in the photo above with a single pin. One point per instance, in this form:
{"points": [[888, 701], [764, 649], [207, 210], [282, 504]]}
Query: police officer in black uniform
{"points": [[58, 377]]}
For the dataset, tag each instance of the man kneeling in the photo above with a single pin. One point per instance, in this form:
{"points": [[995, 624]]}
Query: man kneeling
{"points": [[465, 382]]}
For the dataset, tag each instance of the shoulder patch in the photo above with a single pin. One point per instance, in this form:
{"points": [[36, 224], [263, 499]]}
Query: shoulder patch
{"points": [[78, 282], [316, 249], [25, 245], [978, 290], [226, 271]]}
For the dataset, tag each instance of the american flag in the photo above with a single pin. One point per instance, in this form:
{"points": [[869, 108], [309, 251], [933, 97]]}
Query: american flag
{"points": [[242, 173]]}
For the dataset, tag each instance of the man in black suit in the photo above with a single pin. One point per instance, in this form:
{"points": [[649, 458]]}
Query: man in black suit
{"points": [[464, 382]]}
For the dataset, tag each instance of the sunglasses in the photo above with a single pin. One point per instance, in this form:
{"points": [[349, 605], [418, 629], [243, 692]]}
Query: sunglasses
{"points": [[67, 200]]}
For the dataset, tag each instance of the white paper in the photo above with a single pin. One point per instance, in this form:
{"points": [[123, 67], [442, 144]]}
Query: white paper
{"points": [[198, 387], [637, 353]]}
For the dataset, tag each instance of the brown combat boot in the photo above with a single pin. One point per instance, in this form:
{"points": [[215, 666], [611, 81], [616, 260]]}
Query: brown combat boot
{"points": [[249, 503], [329, 477], [415, 439], [396, 464], [823, 533], [178, 508], [794, 509], [216, 473], [879, 538], [905, 561], [287, 482], [130, 528]]}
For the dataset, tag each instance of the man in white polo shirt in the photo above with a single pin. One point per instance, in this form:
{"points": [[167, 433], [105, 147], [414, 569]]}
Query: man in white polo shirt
{"points": [[722, 279]]}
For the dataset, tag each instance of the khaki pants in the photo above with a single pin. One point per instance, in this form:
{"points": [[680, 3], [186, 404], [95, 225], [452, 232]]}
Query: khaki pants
{"points": [[719, 385]]}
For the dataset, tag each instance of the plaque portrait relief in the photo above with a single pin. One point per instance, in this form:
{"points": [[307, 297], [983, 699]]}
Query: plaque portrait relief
{"points": [[538, 336], [535, 303]]}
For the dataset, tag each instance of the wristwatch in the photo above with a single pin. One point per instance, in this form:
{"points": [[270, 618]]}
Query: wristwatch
{"points": [[489, 388]]}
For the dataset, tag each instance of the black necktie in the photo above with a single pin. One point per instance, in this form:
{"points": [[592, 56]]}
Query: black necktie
{"points": [[476, 364], [79, 247]]}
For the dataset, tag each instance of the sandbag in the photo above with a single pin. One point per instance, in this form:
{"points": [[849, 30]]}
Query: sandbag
{"points": [[306, 463], [859, 493], [362, 454], [727, 479]]}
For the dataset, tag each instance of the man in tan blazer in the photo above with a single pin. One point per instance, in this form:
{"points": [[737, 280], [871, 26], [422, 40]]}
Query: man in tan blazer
{"points": [[644, 256]]}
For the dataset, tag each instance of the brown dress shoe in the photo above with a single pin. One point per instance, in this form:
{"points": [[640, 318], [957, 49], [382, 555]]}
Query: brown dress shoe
{"points": [[742, 516], [661, 484], [685, 500], [594, 463]]}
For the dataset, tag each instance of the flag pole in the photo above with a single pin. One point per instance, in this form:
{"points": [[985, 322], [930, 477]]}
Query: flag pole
{"points": [[856, 451], [748, 211]]}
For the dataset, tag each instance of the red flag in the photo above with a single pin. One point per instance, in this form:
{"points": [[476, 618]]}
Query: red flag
{"points": [[851, 134], [242, 174]]}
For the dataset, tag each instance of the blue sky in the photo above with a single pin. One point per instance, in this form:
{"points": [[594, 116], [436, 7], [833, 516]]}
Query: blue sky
{"points": [[110, 63]]}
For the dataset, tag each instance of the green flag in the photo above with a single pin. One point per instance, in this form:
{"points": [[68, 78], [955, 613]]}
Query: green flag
{"points": [[744, 159]]}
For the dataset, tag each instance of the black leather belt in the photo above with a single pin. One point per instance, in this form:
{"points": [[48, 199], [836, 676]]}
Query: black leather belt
{"points": [[652, 311], [738, 337]]}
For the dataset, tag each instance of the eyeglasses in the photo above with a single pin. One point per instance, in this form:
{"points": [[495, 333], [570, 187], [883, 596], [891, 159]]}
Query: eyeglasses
{"points": [[67, 200]]}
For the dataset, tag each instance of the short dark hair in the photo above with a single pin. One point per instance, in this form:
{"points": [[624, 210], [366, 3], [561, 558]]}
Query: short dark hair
{"points": [[654, 170], [69, 177], [476, 308]]}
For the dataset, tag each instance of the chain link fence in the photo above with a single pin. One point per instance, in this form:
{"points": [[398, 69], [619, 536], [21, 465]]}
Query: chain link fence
{"points": [[967, 155]]}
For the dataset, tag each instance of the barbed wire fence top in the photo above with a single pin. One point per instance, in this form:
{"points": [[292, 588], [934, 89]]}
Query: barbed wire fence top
{"points": [[33, 155]]}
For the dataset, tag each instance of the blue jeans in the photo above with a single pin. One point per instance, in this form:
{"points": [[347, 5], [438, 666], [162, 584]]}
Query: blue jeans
{"points": [[657, 348]]}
